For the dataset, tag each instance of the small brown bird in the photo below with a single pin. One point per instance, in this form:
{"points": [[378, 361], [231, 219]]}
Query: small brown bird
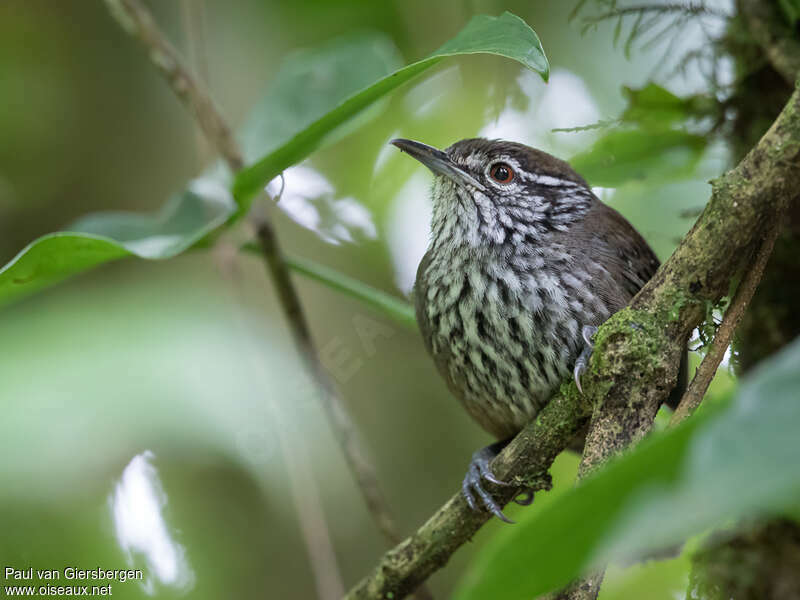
{"points": [[523, 264]]}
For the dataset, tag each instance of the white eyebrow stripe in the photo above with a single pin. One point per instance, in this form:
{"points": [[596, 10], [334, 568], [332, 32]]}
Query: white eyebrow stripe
{"points": [[552, 181]]}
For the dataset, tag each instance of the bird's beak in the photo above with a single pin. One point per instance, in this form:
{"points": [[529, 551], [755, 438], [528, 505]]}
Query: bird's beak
{"points": [[437, 161]]}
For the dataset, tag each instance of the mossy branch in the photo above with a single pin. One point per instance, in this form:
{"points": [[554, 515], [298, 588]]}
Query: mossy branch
{"points": [[637, 352]]}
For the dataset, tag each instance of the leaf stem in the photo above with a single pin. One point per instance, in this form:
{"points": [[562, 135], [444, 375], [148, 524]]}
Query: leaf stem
{"points": [[390, 306], [136, 19]]}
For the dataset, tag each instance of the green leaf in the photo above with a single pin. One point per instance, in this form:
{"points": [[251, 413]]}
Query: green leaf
{"points": [[720, 465], [653, 145], [662, 579], [104, 237], [506, 35], [637, 154], [653, 104], [656, 107], [310, 82]]}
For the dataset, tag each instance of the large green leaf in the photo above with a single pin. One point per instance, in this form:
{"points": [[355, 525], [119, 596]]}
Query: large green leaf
{"points": [[656, 107], [633, 154], [506, 35], [718, 466], [103, 237], [310, 82]]}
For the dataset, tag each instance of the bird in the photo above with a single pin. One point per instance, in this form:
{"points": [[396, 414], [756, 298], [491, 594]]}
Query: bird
{"points": [[523, 264]]}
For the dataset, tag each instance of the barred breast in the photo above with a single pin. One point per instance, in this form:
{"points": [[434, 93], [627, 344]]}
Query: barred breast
{"points": [[503, 339]]}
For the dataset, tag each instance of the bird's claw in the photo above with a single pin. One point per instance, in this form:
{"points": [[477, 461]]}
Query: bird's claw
{"points": [[473, 481], [583, 359], [580, 369], [478, 471]]}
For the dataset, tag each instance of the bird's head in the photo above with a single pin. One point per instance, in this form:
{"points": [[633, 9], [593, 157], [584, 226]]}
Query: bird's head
{"points": [[493, 192]]}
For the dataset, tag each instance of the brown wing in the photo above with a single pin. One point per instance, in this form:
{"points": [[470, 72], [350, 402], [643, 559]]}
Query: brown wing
{"points": [[631, 261], [608, 238]]}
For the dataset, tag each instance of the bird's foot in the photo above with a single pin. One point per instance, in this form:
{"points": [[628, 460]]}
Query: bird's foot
{"points": [[480, 470], [583, 359]]}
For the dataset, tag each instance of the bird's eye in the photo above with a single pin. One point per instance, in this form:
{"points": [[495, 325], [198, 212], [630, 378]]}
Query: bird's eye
{"points": [[502, 173]]}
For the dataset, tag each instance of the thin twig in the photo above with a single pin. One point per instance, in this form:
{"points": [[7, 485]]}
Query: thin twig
{"points": [[601, 124], [137, 20], [342, 425], [722, 340]]}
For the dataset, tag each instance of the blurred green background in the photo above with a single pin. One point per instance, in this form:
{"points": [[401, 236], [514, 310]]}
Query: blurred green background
{"points": [[189, 360]]}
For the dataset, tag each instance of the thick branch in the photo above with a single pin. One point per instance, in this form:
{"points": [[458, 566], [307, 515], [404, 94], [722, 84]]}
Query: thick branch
{"points": [[637, 352], [137, 20]]}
